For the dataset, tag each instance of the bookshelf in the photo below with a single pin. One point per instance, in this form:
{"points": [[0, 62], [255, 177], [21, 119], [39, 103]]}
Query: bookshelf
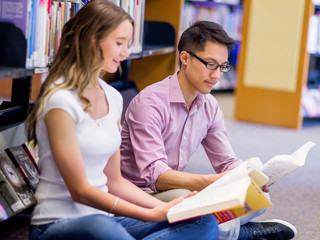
{"points": [[227, 13], [155, 61], [311, 92], [273, 62], [12, 65]]}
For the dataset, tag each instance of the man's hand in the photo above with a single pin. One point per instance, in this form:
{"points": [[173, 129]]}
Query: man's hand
{"points": [[211, 178], [265, 188]]}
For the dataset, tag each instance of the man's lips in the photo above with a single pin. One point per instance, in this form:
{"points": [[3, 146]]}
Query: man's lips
{"points": [[211, 83]]}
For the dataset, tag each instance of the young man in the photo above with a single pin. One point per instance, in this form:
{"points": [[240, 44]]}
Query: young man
{"points": [[167, 121]]}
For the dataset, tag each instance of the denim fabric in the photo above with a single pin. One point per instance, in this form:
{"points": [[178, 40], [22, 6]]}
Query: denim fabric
{"points": [[98, 227]]}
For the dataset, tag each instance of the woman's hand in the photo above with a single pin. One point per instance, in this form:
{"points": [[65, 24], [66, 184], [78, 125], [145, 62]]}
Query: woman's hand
{"points": [[159, 213]]}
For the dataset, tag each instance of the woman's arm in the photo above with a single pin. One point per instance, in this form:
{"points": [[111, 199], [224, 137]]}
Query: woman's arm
{"points": [[62, 136], [123, 188]]}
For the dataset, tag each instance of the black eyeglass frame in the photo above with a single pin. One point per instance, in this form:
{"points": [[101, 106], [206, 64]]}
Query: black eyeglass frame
{"points": [[227, 67]]}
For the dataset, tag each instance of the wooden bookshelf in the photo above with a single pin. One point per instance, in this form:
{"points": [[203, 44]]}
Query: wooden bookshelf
{"points": [[153, 68], [273, 62]]}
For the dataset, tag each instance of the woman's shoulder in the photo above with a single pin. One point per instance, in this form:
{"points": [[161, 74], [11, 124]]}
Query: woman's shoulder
{"points": [[65, 99], [62, 96]]}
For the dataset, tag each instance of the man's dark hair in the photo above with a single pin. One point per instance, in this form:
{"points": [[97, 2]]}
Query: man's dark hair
{"points": [[199, 33]]}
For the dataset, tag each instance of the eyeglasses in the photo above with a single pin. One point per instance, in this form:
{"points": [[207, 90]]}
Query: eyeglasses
{"points": [[212, 65]]}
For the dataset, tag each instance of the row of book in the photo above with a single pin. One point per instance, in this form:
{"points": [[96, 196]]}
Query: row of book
{"points": [[136, 10], [229, 17], [19, 177], [313, 44], [311, 102], [41, 21]]}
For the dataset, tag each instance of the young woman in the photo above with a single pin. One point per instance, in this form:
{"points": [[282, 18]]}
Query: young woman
{"points": [[75, 121]]}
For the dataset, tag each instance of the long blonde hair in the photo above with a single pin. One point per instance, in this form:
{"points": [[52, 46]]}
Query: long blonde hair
{"points": [[80, 56]]}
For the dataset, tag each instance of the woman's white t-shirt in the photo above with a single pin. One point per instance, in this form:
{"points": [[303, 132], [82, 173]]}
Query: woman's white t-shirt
{"points": [[98, 140]]}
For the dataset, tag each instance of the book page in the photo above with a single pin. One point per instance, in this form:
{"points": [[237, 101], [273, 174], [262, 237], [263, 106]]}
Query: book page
{"points": [[228, 191], [255, 171], [281, 165]]}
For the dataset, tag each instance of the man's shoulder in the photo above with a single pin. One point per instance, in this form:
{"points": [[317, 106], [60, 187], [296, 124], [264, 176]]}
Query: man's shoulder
{"points": [[158, 91]]}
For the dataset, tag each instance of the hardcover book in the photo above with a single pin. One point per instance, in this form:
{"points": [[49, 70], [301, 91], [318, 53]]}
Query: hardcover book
{"points": [[13, 176], [25, 165], [10, 195], [231, 196], [33, 152]]}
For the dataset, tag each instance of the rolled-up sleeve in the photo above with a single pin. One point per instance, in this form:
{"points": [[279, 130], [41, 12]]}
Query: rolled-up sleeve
{"points": [[217, 145]]}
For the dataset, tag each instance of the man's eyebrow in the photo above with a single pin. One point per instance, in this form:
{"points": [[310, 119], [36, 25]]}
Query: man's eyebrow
{"points": [[214, 60]]}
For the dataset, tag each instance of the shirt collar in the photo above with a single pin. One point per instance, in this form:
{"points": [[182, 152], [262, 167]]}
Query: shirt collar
{"points": [[175, 93]]}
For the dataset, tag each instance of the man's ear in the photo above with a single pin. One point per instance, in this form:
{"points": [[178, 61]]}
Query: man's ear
{"points": [[184, 57]]}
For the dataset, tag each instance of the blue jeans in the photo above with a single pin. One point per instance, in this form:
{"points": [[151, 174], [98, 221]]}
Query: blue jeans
{"points": [[98, 227]]}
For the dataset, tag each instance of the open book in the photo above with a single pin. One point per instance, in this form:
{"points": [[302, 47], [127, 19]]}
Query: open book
{"points": [[278, 166], [231, 196], [239, 192]]}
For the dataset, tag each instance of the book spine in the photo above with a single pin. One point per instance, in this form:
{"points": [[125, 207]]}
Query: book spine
{"points": [[33, 154], [29, 62]]}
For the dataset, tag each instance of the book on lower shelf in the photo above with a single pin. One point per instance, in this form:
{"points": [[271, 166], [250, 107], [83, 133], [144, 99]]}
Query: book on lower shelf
{"points": [[14, 178], [25, 164], [238, 192], [33, 152], [9, 195]]}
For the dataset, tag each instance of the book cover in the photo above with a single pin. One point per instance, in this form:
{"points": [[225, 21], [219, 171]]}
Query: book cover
{"points": [[25, 165], [254, 201], [16, 181], [10, 195]]}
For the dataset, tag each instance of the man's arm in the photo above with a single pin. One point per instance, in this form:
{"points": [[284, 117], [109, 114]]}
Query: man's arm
{"points": [[216, 143], [172, 179]]}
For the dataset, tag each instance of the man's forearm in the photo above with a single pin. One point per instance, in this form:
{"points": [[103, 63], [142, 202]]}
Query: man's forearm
{"points": [[181, 180]]}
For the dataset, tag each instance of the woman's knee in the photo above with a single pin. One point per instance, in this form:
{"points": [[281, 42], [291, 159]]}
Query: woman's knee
{"points": [[100, 226], [94, 227]]}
